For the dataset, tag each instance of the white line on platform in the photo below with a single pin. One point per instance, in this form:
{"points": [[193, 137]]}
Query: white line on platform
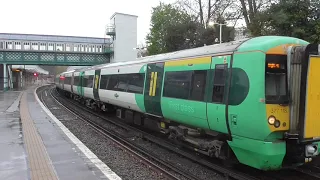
{"points": [[90, 155], [46, 92]]}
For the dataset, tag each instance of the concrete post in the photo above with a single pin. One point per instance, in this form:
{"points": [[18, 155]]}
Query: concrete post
{"points": [[5, 77], [21, 80], [1, 77]]}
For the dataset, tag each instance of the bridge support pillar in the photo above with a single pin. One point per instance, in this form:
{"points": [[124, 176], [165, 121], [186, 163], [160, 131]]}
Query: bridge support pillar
{"points": [[4, 86], [6, 78], [1, 77]]}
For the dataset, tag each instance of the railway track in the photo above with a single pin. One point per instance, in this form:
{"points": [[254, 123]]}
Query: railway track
{"points": [[135, 151], [229, 173]]}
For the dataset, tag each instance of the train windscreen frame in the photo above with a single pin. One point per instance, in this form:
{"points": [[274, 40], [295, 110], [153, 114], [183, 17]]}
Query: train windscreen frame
{"points": [[276, 88]]}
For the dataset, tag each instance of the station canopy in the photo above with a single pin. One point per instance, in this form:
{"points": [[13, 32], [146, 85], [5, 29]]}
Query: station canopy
{"points": [[70, 68], [30, 68]]}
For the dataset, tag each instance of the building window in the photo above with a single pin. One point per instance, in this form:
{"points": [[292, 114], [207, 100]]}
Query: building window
{"points": [[17, 45], [9, 45], [42, 46], [75, 48], [93, 48], [26, 46], [34, 46], [50, 46], [59, 47], [68, 47]]}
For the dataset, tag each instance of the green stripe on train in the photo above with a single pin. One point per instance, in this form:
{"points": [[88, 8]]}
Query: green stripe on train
{"points": [[140, 97]]}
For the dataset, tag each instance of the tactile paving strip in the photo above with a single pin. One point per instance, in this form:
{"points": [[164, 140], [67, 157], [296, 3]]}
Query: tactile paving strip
{"points": [[38, 159]]}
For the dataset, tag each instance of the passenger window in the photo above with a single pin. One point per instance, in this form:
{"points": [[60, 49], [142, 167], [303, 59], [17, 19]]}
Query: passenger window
{"points": [[104, 81], [198, 85], [177, 84], [75, 81], [84, 81], [135, 83], [113, 81], [122, 83], [90, 81], [220, 76]]}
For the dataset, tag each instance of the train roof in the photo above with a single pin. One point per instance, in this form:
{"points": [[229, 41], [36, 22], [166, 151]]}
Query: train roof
{"points": [[205, 50], [262, 43]]}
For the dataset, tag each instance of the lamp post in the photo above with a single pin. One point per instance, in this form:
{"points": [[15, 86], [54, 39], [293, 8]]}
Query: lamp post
{"points": [[212, 23]]}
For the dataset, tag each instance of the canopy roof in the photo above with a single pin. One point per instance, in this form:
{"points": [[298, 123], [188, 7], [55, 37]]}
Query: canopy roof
{"points": [[31, 68]]}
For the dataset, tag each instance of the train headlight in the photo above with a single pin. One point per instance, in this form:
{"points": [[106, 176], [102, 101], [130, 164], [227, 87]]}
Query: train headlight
{"points": [[271, 120], [277, 123], [311, 150]]}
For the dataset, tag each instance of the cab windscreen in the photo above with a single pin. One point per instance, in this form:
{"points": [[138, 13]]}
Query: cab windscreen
{"points": [[276, 79]]}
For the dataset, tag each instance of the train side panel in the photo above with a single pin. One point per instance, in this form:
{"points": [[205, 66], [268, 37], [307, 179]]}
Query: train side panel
{"points": [[247, 114], [67, 82], [76, 83], [183, 96], [246, 105], [88, 82], [123, 86]]}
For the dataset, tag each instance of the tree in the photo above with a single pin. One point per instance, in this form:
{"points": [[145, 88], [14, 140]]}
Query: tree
{"points": [[206, 11], [314, 20], [170, 30], [251, 11], [293, 18], [209, 10]]}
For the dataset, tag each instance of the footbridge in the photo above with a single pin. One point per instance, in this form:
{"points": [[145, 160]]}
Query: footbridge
{"points": [[32, 49]]}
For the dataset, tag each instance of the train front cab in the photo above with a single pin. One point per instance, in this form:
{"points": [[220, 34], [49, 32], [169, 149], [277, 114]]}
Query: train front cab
{"points": [[303, 88], [292, 98]]}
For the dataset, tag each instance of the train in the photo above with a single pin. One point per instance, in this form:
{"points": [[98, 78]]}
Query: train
{"points": [[252, 101]]}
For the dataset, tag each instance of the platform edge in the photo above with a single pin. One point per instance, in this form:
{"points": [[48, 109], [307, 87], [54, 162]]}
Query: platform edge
{"points": [[83, 148]]}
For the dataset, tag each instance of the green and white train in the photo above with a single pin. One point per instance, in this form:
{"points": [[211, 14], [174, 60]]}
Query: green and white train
{"points": [[254, 100]]}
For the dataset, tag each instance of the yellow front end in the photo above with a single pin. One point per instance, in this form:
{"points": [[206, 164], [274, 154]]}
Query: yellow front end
{"points": [[296, 108], [312, 104]]}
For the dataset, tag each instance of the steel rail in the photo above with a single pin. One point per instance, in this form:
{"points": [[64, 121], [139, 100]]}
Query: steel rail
{"points": [[128, 147], [229, 173]]}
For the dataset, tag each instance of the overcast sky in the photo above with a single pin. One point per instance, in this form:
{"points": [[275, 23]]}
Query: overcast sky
{"points": [[71, 17]]}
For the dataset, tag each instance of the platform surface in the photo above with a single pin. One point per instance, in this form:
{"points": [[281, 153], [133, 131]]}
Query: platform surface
{"points": [[36, 147], [13, 163]]}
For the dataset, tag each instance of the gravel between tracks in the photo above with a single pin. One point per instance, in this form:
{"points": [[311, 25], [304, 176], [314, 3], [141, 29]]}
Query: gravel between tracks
{"points": [[120, 162]]}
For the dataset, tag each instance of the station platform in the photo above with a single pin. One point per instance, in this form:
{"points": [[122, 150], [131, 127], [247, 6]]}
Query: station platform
{"points": [[35, 145]]}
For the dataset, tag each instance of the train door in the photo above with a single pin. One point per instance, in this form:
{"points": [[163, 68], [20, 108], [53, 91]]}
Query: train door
{"points": [[72, 81], [96, 84], [153, 88], [63, 79], [80, 85], [216, 106]]}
